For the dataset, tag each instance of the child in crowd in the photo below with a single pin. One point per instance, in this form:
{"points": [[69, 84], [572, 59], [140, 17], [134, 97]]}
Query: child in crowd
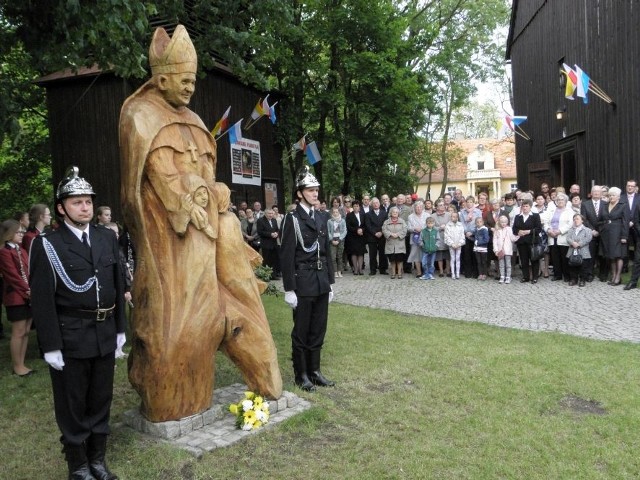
{"points": [[429, 239], [503, 239], [454, 238], [578, 239], [480, 247]]}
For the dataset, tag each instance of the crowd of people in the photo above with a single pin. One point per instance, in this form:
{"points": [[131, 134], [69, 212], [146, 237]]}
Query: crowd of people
{"points": [[551, 234]]}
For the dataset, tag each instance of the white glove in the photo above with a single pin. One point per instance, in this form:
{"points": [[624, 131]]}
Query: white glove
{"points": [[331, 295], [54, 359], [291, 299], [121, 339]]}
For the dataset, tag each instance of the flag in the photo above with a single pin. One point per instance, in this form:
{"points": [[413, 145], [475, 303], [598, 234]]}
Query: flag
{"points": [[222, 124], [272, 113], [300, 144], [517, 120], [313, 155], [572, 81], [235, 132], [261, 108], [583, 84]]}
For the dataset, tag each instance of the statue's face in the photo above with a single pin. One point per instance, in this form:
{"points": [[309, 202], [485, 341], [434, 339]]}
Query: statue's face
{"points": [[177, 88], [201, 197]]}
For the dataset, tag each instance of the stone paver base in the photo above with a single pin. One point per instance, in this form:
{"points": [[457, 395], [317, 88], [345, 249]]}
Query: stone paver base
{"points": [[215, 427]]}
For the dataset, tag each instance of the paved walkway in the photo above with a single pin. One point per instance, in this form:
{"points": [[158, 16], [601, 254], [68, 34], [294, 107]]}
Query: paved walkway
{"points": [[595, 311]]}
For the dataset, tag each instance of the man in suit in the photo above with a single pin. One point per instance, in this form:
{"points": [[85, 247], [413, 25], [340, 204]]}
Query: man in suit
{"points": [[375, 239], [269, 233], [77, 292], [307, 276], [631, 201], [591, 211]]}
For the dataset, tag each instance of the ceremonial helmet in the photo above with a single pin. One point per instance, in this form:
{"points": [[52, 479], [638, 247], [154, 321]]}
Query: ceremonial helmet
{"points": [[305, 179], [72, 185]]}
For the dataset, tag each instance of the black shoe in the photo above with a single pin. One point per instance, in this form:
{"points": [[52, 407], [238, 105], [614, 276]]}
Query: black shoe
{"points": [[28, 374], [305, 384], [534, 281], [630, 286], [372, 273], [383, 272], [555, 279], [590, 278], [524, 280], [100, 471], [318, 379], [581, 283]]}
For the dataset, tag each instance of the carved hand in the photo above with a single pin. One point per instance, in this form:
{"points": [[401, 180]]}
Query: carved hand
{"points": [[199, 217]]}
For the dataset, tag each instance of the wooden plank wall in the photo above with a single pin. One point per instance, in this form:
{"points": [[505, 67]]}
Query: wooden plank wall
{"points": [[602, 37]]}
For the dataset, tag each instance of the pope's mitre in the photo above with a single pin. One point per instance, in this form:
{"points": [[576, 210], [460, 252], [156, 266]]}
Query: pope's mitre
{"points": [[172, 55]]}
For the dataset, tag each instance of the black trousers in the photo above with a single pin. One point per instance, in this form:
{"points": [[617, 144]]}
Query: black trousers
{"points": [[469, 263], [560, 262], [82, 394], [377, 258], [635, 274], [309, 323], [271, 257], [524, 252]]}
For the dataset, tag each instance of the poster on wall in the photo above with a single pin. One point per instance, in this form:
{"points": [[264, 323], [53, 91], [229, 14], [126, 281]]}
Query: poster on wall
{"points": [[246, 165], [270, 194]]}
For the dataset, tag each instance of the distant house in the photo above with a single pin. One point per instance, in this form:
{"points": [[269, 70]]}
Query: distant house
{"points": [[573, 142], [489, 166]]}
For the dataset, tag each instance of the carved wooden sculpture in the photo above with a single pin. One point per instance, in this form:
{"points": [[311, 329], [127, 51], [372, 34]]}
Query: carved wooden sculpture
{"points": [[194, 289]]}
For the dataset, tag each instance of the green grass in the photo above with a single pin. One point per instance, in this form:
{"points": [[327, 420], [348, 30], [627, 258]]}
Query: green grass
{"points": [[417, 397]]}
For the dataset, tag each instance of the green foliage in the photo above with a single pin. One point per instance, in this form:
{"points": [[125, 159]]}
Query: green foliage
{"points": [[264, 273], [25, 164]]}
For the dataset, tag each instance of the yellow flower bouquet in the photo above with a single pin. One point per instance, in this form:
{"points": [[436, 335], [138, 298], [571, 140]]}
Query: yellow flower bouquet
{"points": [[251, 412]]}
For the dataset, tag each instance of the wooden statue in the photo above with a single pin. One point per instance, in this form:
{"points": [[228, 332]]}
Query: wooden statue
{"points": [[194, 289]]}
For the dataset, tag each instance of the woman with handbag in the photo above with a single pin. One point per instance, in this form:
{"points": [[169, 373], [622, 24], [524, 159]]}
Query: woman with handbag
{"points": [[578, 255], [415, 224], [557, 225], [527, 226], [250, 230]]}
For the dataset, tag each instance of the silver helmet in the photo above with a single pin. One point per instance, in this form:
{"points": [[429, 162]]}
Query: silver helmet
{"points": [[305, 179], [72, 185]]}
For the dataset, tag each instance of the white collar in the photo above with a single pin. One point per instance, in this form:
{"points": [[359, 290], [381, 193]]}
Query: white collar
{"points": [[77, 232]]}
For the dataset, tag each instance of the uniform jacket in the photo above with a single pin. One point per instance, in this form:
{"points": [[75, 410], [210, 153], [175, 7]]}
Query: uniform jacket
{"points": [[265, 228], [77, 337], [299, 268], [15, 288]]}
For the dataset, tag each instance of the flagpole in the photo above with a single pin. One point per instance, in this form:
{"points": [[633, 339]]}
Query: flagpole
{"points": [[523, 133], [593, 87], [222, 134], [251, 124]]}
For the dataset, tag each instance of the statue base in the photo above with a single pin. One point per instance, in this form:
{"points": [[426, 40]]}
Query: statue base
{"points": [[214, 427]]}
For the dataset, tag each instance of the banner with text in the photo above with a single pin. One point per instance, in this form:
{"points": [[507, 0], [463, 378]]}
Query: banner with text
{"points": [[246, 167]]}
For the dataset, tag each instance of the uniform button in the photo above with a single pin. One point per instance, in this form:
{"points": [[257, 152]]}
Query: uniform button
{"points": [[96, 270]]}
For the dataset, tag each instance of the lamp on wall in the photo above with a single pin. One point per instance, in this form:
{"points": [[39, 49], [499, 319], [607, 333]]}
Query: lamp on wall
{"points": [[561, 112]]}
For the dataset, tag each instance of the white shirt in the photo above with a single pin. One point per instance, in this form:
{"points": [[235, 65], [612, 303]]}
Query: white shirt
{"points": [[78, 233]]}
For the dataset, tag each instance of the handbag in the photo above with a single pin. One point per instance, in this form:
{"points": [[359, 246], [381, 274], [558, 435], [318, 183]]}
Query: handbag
{"points": [[415, 238], [537, 249], [575, 259]]}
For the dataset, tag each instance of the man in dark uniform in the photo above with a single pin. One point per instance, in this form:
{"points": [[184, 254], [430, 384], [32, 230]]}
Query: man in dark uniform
{"points": [[77, 291], [307, 276]]}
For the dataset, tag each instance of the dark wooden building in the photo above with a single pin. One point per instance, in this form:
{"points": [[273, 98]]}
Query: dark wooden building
{"points": [[596, 143], [84, 110]]}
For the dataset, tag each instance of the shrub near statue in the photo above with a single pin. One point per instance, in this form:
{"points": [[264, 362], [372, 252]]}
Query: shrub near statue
{"points": [[195, 290]]}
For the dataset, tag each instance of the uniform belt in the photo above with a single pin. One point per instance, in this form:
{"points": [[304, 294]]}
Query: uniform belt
{"points": [[99, 314], [310, 265]]}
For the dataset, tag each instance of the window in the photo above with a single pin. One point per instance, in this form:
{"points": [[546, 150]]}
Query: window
{"points": [[513, 187], [451, 190], [480, 165]]}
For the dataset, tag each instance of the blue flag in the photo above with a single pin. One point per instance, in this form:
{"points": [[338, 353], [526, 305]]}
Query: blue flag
{"points": [[235, 132], [313, 155]]}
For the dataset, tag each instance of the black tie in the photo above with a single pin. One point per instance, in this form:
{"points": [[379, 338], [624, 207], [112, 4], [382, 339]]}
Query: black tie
{"points": [[311, 214], [85, 241]]}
